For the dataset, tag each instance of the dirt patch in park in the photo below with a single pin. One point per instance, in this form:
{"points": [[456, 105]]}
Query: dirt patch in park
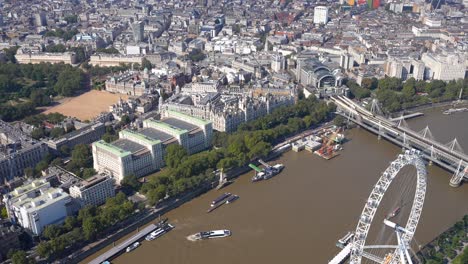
{"points": [[87, 105]]}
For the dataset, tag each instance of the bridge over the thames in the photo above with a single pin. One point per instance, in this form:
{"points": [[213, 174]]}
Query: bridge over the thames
{"points": [[448, 156]]}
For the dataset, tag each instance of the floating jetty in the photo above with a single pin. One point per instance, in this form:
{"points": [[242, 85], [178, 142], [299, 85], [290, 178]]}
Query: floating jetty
{"points": [[227, 200], [130, 241]]}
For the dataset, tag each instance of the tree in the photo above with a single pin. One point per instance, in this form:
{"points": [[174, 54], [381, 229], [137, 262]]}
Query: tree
{"points": [[90, 228], [339, 121], [109, 137], [42, 166], [390, 83], [175, 153], [56, 162], [38, 133], [146, 64], [57, 132], [38, 98], [51, 231], [125, 120], [71, 19], [156, 194], [29, 172], [409, 90], [44, 249], [70, 222], [20, 257], [81, 156], [65, 150], [88, 173], [131, 181], [10, 53]]}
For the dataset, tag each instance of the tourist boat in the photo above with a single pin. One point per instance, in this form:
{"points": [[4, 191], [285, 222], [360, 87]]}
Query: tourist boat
{"points": [[232, 198], [394, 213], [210, 234], [455, 110], [133, 246], [220, 199], [159, 232]]}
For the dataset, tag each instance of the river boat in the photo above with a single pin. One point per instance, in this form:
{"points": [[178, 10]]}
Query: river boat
{"points": [[278, 167], [210, 235], [393, 213], [133, 246], [455, 110], [159, 232], [258, 176], [220, 199], [232, 199]]}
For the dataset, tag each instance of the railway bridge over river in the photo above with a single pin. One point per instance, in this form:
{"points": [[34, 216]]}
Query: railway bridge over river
{"points": [[448, 156]]}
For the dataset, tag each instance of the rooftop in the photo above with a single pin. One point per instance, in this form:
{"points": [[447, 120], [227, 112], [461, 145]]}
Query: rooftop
{"points": [[91, 181], [158, 124], [143, 137], [128, 145], [179, 124], [155, 134], [112, 148], [194, 120]]}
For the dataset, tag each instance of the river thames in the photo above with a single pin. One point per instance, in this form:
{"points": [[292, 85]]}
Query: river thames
{"points": [[298, 216]]}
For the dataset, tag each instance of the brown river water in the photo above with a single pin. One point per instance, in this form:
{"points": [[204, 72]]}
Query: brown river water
{"points": [[298, 216]]}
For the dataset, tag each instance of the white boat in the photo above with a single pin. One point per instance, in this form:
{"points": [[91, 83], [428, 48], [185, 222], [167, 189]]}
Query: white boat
{"points": [[133, 246], [159, 232], [278, 166], [210, 234]]}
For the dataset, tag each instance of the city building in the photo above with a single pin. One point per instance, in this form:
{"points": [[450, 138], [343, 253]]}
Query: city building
{"points": [[320, 15], [131, 83], [444, 67], [41, 19], [17, 152], [84, 135], [25, 57], [278, 62], [228, 110], [138, 30], [93, 191], [9, 238], [36, 205], [108, 60], [313, 72], [141, 152], [404, 68]]}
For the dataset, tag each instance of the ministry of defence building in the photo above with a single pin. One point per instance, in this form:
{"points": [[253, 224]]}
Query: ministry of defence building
{"points": [[142, 152]]}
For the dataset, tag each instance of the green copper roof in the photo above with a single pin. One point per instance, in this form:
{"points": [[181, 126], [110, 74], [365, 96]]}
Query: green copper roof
{"points": [[136, 135], [192, 119], [171, 129], [111, 148]]}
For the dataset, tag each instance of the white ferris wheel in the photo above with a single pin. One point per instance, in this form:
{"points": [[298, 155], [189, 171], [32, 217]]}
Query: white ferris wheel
{"points": [[398, 253]]}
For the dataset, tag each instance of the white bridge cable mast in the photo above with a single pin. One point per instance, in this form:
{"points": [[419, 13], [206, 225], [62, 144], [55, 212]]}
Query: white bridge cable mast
{"points": [[409, 158]]}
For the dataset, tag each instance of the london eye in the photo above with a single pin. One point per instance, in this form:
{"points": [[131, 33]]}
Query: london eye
{"points": [[364, 251]]}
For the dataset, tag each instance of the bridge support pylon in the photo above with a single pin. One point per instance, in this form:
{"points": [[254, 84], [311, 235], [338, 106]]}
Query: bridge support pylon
{"points": [[458, 176]]}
